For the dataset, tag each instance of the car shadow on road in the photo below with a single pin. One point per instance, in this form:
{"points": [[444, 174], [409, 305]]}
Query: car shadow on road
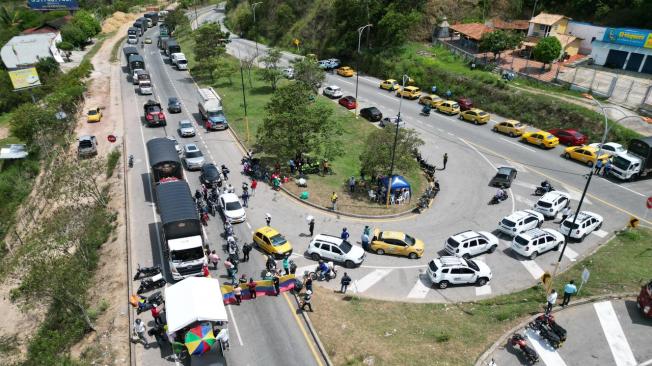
{"points": [[635, 313], [517, 353], [156, 245]]}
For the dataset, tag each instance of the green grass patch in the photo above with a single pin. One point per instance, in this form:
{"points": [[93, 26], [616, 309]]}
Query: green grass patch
{"points": [[112, 162], [456, 334], [98, 44], [16, 181], [116, 48]]}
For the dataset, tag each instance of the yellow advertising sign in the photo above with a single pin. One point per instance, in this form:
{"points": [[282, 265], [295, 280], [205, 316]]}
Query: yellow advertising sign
{"points": [[24, 78]]}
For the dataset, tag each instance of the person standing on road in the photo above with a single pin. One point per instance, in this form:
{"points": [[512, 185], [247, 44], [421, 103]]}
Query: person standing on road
{"points": [[307, 282], [246, 248], [567, 211], [156, 314], [445, 161], [569, 290], [307, 298], [552, 299], [286, 264], [598, 167], [254, 184], [277, 284], [345, 234], [311, 226], [334, 201], [245, 199], [139, 331], [345, 282], [214, 258], [268, 219], [204, 191], [252, 288], [237, 291], [607, 169], [365, 240]]}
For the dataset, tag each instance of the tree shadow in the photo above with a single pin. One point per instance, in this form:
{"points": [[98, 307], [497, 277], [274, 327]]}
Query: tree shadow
{"points": [[261, 90]]}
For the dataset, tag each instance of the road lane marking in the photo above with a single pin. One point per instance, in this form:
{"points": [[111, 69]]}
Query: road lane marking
{"points": [[518, 144], [303, 329], [235, 326], [529, 186], [570, 254], [614, 333], [524, 200], [420, 289], [483, 291], [533, 268], [248, 225], [575, 194], [600, 233], [369, 280], [548, 355]]}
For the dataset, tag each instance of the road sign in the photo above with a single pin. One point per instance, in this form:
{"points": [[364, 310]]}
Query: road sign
{"points": [[111, 138], [649, 203]]}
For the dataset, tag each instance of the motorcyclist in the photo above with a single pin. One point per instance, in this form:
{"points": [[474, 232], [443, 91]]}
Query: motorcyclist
{"points": [[546, 186], [323, 269], [225, 172], [500, 194], [426, 109], [198, 194]]}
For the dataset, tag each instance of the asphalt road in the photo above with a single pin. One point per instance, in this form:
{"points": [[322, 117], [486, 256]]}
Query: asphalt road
{"points": [[265, 331], [474, 153]]}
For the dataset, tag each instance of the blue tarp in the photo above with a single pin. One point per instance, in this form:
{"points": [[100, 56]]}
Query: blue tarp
{"points": [[398, 182]]}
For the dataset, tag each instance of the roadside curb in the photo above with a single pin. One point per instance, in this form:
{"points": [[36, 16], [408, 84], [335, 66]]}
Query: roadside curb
{"points": [[313, 332], [326, 209], [503, 338]]}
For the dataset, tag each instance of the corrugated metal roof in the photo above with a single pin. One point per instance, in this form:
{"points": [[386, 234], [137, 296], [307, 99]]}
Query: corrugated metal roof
{"points": [[161, 150], [175, 202], [27, 49], [547, 19]]}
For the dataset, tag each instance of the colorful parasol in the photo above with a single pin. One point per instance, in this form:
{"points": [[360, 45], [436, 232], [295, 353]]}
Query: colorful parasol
{"points": [[200, 339]]}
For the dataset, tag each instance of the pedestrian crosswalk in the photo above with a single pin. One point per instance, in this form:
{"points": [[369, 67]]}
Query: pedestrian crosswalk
{"points": [[533, 268], [613, 331], [364, 283], [548, 355], [600, 233], [421, 287]]}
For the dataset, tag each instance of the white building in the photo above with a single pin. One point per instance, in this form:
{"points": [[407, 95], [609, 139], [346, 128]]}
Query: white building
{"points": [[587, 33], [624, 48], [27, 50]]}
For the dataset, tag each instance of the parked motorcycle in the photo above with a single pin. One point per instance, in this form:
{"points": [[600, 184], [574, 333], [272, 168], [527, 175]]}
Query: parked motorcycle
{"points": [[529, 353], [151, 301], [546, 332], [152, 283], [131, 161], [549, 321], [422, 205], [147, 271]]}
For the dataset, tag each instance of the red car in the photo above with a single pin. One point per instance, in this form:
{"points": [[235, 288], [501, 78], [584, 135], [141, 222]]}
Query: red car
{"points": [[465, 104], [569, 137], [347, 102]]}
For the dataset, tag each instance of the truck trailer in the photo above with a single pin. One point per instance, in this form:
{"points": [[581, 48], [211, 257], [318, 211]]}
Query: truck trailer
{"points": [[136, 62], [182, 239], [164, 162], [210, 109], [171, 46], [637, 162]]}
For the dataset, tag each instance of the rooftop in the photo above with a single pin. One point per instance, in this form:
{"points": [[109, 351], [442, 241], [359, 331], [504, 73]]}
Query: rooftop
{"points": [[547, 19], [473, 31], [509, 25]]}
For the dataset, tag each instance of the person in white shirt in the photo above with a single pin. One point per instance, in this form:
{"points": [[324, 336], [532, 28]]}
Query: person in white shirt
{"points": [[552, 299]]}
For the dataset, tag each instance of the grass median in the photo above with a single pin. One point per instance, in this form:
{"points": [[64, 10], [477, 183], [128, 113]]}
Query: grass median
{"points": [[258, 93], [354, 329]]}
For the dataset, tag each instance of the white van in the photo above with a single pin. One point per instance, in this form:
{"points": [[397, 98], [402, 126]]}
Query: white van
{"points": [[179, 60], [132, 39]]}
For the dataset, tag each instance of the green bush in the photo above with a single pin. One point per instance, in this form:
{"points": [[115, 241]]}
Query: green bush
{"points": [[111, 162]]}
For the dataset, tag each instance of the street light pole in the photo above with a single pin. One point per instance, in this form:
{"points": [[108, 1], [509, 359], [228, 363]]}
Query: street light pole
{"points": [[253, 6], [398, 120], [244, 99], [357, 67]]}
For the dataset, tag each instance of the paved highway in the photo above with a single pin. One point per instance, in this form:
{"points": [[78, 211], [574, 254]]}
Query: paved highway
{"points": [[268, 330]]}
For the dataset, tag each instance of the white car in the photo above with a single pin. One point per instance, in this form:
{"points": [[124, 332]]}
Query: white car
{"points": [[586, 223], [458, 271], [132, 39], [231, 208], [332, 91], [288, 72], [611, 148], [520, 221], [193, 158], [551, 203], [470, 243], [335, 249], [537, 241], [186, 128]]}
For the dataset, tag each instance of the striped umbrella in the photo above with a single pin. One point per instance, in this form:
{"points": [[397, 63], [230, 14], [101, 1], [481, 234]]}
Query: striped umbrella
{"points": [[200, 339]]}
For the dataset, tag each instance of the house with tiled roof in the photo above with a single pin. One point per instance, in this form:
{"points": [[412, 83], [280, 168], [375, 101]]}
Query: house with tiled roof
{"points": [[552, 25]]}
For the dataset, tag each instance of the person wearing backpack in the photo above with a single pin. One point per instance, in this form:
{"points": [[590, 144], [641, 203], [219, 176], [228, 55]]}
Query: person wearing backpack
{"points": [[345, 282]]}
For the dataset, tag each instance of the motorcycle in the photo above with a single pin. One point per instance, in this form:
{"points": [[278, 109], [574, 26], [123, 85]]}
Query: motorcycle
{"points": [[549, 321], [131, 161], [152, 283], [541, 190], [529, 353], [321, 276], [147, 271], [422, 205], [150, 302], [546, 332], [425, 111], [225, 172], [496, 199]]}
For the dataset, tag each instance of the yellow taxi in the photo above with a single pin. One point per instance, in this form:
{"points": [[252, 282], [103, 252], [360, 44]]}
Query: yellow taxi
{"points": [[432, 99], [345, 71], [586, 154], [541, 139], [389, 84], [272, 242], [94, 115], [475, 115], [397, 243], [510, 127], [449, 107], [411, 92]]}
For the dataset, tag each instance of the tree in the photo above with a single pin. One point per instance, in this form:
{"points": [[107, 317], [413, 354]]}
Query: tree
{"points": [[73, 34], [208, 41], [376, 156], [271, 72], [87, 23], [547, 50], [308, 72], [296, 124], [208, 65], [176, 19], [29, 119], [499, 41]]}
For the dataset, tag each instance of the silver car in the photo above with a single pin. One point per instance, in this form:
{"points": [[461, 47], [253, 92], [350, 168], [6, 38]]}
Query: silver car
{"points": [[193, 158], [186, 128]]}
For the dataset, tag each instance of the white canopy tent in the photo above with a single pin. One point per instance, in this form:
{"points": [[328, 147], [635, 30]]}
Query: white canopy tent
{"points": [[191, 300]]}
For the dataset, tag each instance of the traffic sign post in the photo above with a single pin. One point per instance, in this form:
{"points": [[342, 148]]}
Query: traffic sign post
{"points": [[585, 278], [111, 138]]}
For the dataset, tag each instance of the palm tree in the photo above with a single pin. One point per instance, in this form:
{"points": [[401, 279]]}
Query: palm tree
{"points": [[9, 17]]}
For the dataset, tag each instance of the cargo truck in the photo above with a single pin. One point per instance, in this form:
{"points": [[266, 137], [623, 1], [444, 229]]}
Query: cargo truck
{"points": [[154, 115], [164, 162], [136, 62], [182, 240], [210, 109], [636, 162], [153, 16], [141, 25], [128, 51], [172, 47]]}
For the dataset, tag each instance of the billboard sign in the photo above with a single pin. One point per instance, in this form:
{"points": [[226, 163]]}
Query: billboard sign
{"points": [[629, 37], [53, 4], [24, 78]]}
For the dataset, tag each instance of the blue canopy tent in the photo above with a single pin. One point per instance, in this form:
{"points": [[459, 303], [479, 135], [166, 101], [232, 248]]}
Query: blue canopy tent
{"points": [[398, 182]]}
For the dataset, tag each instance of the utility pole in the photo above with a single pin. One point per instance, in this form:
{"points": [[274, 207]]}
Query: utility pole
{"points": [[253, 7], [357, 66], [398, 120]]}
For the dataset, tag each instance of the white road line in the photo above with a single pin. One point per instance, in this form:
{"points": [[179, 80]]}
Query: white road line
{"points": [[301, 270], [533, 268], [570, 254], [483, 291], [248, 224], [625, 188], [548, 355], [616, 339], [524, 200], [235, 326], [369, 280], [600, 233], [517, 144], [420, 289], [646, 363], [526, 185]]}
